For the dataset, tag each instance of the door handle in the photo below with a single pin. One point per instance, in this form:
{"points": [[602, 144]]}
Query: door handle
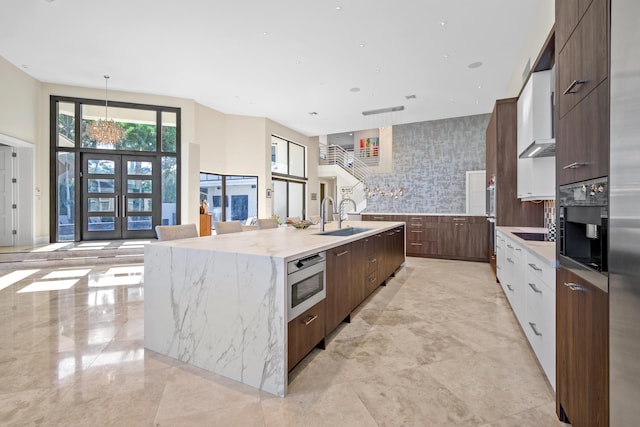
{"points": [[310, 319], [124, 206], [535, 330], [117, 205], [342, 253], [535, 288], [575, 165]]}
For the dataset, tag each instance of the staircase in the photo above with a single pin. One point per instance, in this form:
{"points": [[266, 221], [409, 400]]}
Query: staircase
{"points": [[348, 170]]}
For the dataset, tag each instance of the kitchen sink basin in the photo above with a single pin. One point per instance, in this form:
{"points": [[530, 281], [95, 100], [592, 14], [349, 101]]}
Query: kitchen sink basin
{"points": [[350, 231]]}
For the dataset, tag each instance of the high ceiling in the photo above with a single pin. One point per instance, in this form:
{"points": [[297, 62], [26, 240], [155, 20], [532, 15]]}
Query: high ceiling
{"points": [[281, 59]]}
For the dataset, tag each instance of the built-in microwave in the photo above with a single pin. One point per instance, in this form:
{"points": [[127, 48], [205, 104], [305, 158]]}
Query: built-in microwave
{"points": [[583, 225], [306, 283]]}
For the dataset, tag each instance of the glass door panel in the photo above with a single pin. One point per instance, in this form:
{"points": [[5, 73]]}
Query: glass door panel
{"points": [[101, 192], [118, 198], [142, 207]]}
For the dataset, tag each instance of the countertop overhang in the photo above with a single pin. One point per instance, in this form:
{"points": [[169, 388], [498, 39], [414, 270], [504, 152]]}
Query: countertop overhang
{"points": [[283, 242]]}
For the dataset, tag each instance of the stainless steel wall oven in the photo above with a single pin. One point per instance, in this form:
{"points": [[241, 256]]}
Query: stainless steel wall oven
{"points": [[583, 228]]}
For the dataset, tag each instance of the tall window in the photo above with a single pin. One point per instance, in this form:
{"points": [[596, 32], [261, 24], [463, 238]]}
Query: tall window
{"points": [[136, 201], [289, 173], [230, 197]]}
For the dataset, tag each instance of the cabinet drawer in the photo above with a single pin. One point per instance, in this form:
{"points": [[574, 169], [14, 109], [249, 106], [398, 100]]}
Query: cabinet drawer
{"points": [[541, 269], [422, 248], [305, 333], [540, 325], [583, 62]]}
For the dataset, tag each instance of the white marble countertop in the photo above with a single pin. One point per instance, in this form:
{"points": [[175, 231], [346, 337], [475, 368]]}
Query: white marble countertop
{"points": [[422, 214], [545, 250], [283, 242]]}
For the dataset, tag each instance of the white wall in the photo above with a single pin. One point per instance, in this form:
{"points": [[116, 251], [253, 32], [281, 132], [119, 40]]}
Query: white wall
{"points": [[19, 103], [541, 28]]}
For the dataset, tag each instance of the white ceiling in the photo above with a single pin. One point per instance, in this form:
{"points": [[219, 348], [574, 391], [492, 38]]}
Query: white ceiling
{"points": [[280, 59]]}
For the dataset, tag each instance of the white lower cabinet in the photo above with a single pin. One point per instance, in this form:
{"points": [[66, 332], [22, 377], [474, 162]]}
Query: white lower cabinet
{"points": [[527, 282]]}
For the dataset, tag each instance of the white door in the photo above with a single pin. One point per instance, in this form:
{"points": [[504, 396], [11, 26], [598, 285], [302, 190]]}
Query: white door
{"points": [[6, 196]]}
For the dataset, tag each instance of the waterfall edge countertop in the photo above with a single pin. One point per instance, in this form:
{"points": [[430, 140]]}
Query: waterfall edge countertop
{"points": [[220, 302]]}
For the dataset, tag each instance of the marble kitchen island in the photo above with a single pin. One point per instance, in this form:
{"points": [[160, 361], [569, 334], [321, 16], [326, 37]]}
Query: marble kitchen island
{"points": [[220, 302]]}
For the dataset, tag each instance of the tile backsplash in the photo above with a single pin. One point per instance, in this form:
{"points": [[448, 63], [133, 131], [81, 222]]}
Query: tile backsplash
{"points": [[549, 212], [430, 160]]}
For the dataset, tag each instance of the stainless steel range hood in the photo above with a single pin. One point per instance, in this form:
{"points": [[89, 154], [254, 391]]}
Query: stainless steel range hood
{"points": [[537, 117], [540, 148]]}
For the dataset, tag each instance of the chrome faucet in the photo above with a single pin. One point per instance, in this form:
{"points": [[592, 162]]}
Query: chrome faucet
{"points": [[355, 207], [322, 214]]}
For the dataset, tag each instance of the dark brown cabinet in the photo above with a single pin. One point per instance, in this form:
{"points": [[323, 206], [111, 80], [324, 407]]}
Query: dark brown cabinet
{"points": [[582, 351], [339, 280], [464, 237], [365, 263], [502, 164], [583, 62], [306, 332], [422, 235], [582, 140]]}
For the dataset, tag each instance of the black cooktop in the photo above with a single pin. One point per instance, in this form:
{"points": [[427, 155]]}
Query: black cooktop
{"points": [[539, 237]]}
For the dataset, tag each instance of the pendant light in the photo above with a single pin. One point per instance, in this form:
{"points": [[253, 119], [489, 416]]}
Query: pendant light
{"points": [[106, 131]]}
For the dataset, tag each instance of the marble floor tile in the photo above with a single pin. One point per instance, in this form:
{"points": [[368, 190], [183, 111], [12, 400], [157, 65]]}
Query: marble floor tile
{"points": [[437, 346]]}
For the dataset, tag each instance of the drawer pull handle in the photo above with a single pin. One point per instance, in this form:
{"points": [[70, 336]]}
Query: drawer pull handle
{"points": [[459, 219], [518, 249], [510, 288], [575, 287], [535, 288], [575, 165], [342, 253], [415, 219], [535, 330], [535, 267], [373, 279], [509, 246], [416, 231], [416, 244], [510, 260], [372, 260], [309, 319], [378, 217], [573, 84]]}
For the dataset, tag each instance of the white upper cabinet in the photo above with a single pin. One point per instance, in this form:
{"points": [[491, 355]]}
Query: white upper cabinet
{"points": [[536, 146]]}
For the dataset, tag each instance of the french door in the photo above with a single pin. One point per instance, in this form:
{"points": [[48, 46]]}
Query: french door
{"points": [[120, 196]]}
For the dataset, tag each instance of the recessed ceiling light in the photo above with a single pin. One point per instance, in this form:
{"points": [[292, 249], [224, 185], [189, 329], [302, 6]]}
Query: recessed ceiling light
{"points": [[477, 102], [445, 56], [443, 23], [452, 100], [362, 45], [477, 64], [350, 133], [338, 8], [377, 70], [479, 86], [354, 89], [265, 34]]}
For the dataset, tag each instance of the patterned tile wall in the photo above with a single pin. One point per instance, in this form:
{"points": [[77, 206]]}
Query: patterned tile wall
{"points": [[430, 160], [549, 212]]}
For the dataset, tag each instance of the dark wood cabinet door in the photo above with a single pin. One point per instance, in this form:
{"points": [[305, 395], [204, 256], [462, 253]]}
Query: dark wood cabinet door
{"points": [[582, 351], [583, 63], [567, 18], [305, 332], [339, 279], [358, 285], [582, 141]]}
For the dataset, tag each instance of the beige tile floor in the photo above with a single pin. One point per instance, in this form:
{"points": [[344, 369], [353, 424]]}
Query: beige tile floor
{"points": [[438, 346]]}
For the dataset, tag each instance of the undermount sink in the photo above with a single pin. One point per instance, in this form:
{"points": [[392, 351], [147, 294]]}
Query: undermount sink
{"points": [[350, 231]]}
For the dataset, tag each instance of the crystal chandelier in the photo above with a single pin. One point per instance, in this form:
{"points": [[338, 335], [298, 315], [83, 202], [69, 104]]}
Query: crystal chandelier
{"points": [[106, 131], [372, 191]]}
